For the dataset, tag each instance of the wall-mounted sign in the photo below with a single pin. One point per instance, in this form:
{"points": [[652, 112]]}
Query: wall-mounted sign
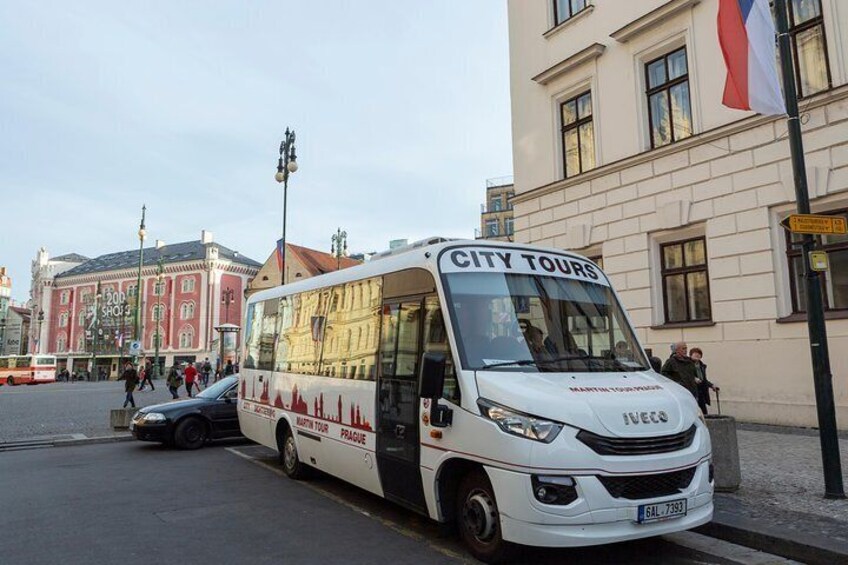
{"points": [[815, 224]]}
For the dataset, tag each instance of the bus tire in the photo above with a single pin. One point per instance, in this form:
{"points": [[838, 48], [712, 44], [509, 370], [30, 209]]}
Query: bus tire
{"points": [[478, 520], [190, 433], [293, 467], [10, 381]]}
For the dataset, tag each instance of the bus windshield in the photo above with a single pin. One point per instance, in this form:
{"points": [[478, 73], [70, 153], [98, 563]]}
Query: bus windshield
{"points": [[527, 322]]}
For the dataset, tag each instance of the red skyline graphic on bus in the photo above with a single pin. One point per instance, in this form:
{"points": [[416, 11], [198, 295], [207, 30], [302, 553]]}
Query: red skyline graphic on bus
{"points": [[301, 406]]}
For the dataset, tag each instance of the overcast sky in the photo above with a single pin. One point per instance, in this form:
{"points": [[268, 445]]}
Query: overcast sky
{"points": [[401, 110]]}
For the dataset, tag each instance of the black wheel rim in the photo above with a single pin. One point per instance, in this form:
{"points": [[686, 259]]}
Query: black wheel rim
{"points": [[194, 433], [480, 516], [289, 454]]}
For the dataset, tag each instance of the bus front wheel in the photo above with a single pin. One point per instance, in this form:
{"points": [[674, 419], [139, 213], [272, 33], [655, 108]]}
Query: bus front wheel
{"points": [[10, 381], [293, 467], [479, 520]]}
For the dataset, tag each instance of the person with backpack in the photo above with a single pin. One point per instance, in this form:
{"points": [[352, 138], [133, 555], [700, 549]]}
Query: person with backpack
{"points": [[130, 378], [174, 382], [146, 374], [206, 371]]}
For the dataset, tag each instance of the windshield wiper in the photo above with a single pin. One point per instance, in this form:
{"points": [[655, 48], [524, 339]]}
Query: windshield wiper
{"points": [[519, 362]]}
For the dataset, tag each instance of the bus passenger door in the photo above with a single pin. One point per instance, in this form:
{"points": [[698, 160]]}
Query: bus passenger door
{"points": [[398, 455]]}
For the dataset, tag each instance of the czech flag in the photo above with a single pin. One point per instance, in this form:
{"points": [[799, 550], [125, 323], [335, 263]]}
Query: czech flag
{"points": [[281, 258], [747, 37]]}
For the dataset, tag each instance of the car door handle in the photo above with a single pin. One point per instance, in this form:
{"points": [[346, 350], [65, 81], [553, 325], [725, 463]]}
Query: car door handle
{"points": [[260, 378]]}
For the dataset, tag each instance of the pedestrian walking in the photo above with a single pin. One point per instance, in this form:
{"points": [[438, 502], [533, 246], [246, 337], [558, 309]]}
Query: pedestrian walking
{"points": [[146, 375], [174, 381], [190, 377], [681, 369], [704, 384], [130, 377], [206, 370]]}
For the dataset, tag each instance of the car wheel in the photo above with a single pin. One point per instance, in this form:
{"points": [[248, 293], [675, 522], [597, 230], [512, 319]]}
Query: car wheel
{"points": [[479, 520], [10, 381], [190, 434], [289, 458]]}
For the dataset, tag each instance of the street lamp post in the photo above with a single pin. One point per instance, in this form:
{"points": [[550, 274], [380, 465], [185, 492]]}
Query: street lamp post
{"points": [[286, 164], [159, 289], [95, 326], [227, 299], [138, 292], [2, 336], [339, 246], [40, 320]]}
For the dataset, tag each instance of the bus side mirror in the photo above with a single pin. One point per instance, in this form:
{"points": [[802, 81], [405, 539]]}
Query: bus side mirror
{"points": [[432, 375]]}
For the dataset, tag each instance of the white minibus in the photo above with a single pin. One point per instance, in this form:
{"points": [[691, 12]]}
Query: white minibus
{"points": [[496, 386]]}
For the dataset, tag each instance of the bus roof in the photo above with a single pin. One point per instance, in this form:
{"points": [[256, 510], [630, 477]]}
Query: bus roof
{"points": [[413, 256]]}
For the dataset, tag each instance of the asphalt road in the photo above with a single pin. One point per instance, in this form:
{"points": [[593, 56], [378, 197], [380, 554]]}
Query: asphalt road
{"points": [[59, 409], [130, 502]]}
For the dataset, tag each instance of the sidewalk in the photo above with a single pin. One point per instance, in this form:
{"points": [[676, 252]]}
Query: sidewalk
{"points": [[780, 505]]}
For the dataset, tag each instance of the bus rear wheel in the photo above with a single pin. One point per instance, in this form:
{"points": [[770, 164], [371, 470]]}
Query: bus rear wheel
{"points": [[478, 520], [293, 467]]}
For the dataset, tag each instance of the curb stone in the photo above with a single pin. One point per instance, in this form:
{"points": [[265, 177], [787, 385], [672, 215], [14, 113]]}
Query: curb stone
{"points": [[792, 544]]}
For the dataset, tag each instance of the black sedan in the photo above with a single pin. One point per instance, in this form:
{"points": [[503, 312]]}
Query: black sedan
{"points": [[190, 423]]}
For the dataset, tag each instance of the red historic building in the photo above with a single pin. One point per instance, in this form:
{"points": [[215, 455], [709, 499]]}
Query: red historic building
{"points": [[181, 311]]}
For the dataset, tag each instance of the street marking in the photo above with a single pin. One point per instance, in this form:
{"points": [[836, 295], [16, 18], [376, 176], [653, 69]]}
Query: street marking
{"points": [[335, 498]]}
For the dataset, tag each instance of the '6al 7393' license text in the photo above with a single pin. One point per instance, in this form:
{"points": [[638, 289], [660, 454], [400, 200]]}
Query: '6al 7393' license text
{"points": [[662, 511]]}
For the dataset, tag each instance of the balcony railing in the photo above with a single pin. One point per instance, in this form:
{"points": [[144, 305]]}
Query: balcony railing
{"points": [[499, 181]]}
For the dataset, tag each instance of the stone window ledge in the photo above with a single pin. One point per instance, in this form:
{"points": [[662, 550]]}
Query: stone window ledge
{"points": [[802, 317], [567, 23], [678, 325]]}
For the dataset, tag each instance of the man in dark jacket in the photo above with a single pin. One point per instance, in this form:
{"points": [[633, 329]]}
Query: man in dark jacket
{"points": [[130, 377], [681, 369]]}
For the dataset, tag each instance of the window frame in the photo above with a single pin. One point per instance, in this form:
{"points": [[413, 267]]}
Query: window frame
{"points": [[794, 251], [576, 125], [571, 13], [187, 285], [684, 270], [493, 222], [794, 31], [667, 86]]}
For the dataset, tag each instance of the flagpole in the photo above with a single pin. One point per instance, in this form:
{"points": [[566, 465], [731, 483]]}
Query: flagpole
{"points": [[822, 377]]}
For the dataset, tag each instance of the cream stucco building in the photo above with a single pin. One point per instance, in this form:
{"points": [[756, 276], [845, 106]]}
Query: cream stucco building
{"points": [[623, 152]]}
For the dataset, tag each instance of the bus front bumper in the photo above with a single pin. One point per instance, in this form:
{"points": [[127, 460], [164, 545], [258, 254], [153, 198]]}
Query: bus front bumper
{"points": [[596, 517]]}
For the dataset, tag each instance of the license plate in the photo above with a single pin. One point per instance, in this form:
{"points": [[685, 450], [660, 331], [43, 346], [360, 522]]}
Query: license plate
{"points": [[662, 511]]}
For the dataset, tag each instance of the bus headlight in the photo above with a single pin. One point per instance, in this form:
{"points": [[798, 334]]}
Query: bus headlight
{"points": [[520, 424]]}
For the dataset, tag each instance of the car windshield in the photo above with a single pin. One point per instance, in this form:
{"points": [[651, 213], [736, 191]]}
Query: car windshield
{"points": [[219, 388], [526, 322]]}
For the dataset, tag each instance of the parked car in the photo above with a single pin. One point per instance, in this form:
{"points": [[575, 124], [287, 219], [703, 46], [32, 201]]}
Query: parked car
{"points": [[190, 423]]}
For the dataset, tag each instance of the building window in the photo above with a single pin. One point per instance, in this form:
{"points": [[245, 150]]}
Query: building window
{"points": [[186, 338], [492, 228], [158, 313], [834, 281], [669, 108], [63, 319], [809, 46], [567, 9], [597, 260], [156, 339], [64, 297], [509, 197], [187, 310], [578, 135], [159, 288], [508, 226], [685, 281], [82, 317], [131, 290], [496, 204], [81, 343], [61, 343], [188, 285]]}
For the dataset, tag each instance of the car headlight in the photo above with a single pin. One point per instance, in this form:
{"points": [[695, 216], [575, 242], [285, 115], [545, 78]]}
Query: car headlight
{"points": [[154, 417], [520, 424]]}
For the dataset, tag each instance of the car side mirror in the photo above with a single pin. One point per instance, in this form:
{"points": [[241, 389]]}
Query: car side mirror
{"points": [[432, 384]]}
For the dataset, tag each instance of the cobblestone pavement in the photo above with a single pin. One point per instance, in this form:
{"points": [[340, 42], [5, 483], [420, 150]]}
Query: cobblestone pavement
{"points": [[58, 409], [783, 483]]}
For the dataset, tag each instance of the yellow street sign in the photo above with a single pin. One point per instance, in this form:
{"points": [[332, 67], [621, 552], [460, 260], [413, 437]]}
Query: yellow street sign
{"points": [[818, 261], [816, 224]]}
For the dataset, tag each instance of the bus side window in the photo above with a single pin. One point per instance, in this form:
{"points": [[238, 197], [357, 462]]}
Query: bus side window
{"points": [[436, 341]]}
